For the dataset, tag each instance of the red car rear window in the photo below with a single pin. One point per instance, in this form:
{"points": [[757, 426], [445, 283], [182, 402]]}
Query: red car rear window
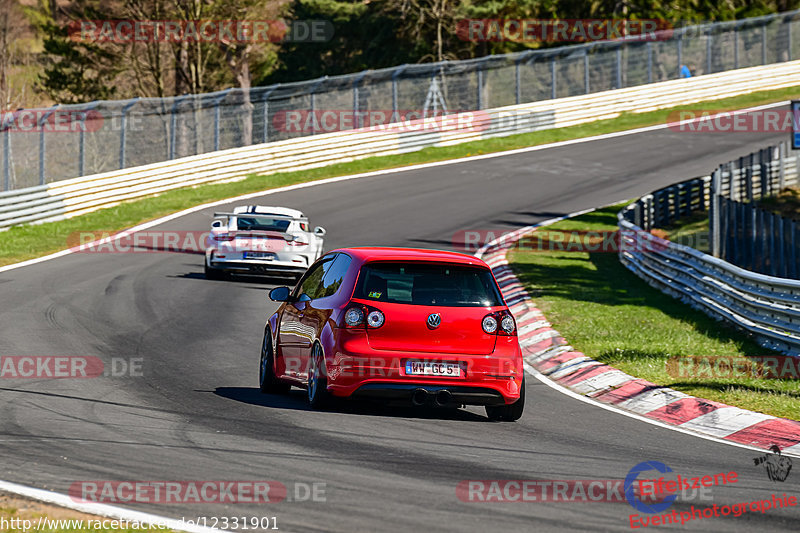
{"points": [[428, 284]]}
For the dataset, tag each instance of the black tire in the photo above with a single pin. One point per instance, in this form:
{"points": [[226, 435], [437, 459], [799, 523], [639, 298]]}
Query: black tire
{"points": [[318, 396], [267, 382], [213, 273], [508, 413]]}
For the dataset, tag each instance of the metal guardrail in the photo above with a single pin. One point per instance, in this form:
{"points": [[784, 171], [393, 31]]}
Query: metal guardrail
{"points": [[76, 196], [114, 135], [767, 307]]}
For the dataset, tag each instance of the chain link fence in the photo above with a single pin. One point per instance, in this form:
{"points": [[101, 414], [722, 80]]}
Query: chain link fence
{"points": [[43, 146]]}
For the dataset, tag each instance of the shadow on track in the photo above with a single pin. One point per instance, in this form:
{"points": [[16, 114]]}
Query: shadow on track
{"points": [[296, 400]]}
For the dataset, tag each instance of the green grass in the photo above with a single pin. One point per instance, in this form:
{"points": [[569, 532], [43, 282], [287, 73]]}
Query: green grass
{"points": [[26, 242], [611, 315]]}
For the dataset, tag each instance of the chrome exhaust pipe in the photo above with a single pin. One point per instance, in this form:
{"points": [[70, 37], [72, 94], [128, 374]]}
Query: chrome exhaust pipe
{"points": [[443, 397], [419, 397]]}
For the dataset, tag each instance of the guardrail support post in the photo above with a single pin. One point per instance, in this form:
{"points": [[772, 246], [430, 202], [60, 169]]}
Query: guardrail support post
{"points": [[679, 46], [619, 67], [788, 40], [649, 47], [764, 44], [781, 263], [517, 85], [782, 165], [553, 78], [735, 47], [709, 42]]}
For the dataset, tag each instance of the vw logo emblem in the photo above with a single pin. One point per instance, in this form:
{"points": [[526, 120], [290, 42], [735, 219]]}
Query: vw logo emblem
{"points": [[434, 320]]}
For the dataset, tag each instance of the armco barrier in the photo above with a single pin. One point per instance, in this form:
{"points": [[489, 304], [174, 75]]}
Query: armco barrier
{"points": [[765, 306], [68, 198]]}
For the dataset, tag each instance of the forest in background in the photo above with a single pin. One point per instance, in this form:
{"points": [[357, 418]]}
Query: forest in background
{"points": [[40, 64]]}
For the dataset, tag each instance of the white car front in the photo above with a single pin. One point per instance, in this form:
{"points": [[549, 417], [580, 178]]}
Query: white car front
{"points": [[260, 240]]}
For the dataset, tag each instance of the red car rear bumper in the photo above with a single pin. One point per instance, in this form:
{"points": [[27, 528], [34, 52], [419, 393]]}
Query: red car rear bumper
{"points": [[356, 369]]}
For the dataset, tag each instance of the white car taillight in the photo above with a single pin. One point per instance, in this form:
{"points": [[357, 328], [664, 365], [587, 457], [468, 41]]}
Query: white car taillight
{"points": [[354, 317], [489, 324], [507, 324], [375, 319]]}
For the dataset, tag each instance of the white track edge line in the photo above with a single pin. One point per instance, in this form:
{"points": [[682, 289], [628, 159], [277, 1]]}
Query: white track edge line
{"points": [[101, 509]]}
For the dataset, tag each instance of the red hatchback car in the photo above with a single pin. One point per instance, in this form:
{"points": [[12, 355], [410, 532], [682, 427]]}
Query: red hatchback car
{"points": [[424, 326]]}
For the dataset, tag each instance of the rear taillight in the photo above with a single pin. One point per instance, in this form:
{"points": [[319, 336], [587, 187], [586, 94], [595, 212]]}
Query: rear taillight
{"points": [[500, 323], [223, 238], [298, 241], [359, 316]]}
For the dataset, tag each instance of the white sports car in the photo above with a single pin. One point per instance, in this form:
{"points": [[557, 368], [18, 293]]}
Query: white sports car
{"points": [[257, 240]]}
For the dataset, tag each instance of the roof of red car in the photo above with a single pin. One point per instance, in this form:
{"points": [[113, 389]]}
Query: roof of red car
{"points": [[410, 254]]}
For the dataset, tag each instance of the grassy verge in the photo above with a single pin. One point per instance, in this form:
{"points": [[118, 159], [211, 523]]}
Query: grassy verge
{"points": [[15, 510], [26, 242], [613, 316]]}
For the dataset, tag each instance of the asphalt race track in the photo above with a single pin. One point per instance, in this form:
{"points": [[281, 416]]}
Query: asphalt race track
{"points": [[196, 414]]}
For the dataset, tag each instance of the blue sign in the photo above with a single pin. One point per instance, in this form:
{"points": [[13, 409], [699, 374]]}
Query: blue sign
{"points": [[630, 485], [796, 124]]}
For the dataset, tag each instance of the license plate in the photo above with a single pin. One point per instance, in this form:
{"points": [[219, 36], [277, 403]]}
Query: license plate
{"points": [[259, 255], [433, 368]]}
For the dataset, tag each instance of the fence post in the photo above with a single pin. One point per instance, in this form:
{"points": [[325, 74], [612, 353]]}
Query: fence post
{"points": [[679, 44], [762, 167], [793, 249], [735, 46], [553, 78], [356, 106], [265, 112], [782, 165], [649, 47], [42, 144], [789, 40], [123, 126], [781, 264], [479, 96], [714, 215], [709, 40], [586, 70], [82, 146], [395, 74], [6, 159], [517, 85], [217, 101], [753, 237], [619, 66], [773, 267], [749, 178], [764, 44]]}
